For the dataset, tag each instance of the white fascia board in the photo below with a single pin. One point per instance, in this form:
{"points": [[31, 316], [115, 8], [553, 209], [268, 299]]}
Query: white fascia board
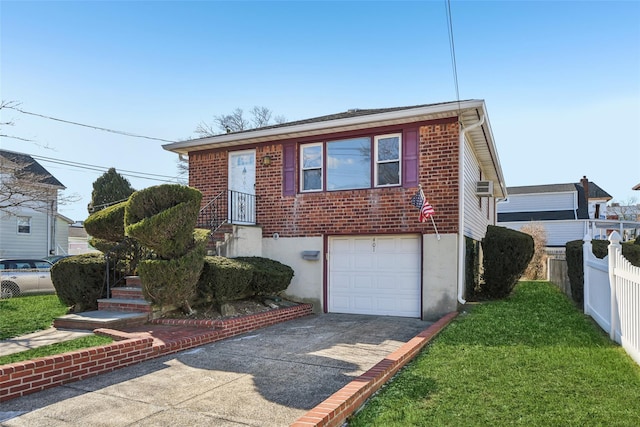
{"points": [[429, 112]]}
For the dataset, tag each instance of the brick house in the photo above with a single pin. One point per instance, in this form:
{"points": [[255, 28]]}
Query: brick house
{"points": [[331, 197]]}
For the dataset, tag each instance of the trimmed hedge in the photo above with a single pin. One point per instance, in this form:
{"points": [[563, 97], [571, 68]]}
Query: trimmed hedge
{"points": [[224, 279], [107, 224], [172, 283], [507, 253], [599, 248], [79, 281], [269, 276]]}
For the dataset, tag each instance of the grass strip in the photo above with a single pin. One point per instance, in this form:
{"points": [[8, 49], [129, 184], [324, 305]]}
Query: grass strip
{"points": [[532, 359], [27, 314], [58, 348]]}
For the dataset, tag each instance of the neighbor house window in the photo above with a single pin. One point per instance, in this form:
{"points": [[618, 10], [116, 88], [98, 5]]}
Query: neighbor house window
{"points": [[24, 225], [311, 161], [349, 164], [387, 167]]}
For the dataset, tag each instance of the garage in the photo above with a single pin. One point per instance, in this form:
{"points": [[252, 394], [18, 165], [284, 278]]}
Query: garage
{"points": [[379, 275]]}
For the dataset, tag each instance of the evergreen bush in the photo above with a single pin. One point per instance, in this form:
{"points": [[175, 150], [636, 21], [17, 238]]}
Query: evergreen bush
{"points": [[599, 248], [172, 283], [107, 224], [269, 277], [506, 256], [79, 281], [224, 279]]}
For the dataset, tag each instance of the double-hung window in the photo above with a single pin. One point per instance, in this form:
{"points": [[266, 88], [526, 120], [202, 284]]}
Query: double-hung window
{"points": [[24, 225], [311, 159], [388, 152], [352, 163]]}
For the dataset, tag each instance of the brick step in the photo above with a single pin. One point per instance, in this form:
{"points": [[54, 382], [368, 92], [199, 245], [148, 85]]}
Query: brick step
{"points": [[127, 292], [90, 320], [125, 305], [133, 281]]}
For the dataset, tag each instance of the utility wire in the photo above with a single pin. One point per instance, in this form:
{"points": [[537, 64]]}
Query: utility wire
{"points": [[88, 126], [134, 174], [453, 50]]}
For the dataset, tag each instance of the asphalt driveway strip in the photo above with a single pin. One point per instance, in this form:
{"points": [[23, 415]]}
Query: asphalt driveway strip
{"points": [[268, 377]]}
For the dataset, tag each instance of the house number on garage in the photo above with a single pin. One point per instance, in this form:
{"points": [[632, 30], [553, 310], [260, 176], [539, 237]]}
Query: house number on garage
{"points": [[373, 244]]}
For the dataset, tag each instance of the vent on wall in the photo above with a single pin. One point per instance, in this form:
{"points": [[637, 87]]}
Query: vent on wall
{"points": [[484, 188]]}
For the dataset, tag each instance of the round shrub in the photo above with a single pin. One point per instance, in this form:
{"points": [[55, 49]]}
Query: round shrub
{"points": [[224, 279], [169, 232], [172, 283], [269, 277], [79, 281], [506, 256], [153, 200], [107, 224]]}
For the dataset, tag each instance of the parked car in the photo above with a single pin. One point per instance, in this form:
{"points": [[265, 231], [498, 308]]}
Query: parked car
{"points": [[24, 276], [55, 258]]}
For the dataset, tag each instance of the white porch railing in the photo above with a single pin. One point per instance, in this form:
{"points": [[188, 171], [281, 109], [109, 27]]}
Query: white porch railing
{"points": [[612, 294]]}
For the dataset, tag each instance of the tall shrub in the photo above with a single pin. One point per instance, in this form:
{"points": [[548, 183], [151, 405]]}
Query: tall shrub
{"points": [[163, 218], [79, 281], [506, 255]]}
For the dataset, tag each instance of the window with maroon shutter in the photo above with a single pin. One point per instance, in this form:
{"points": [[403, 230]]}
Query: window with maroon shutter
{"points": [[289, 170], [410, 158]]}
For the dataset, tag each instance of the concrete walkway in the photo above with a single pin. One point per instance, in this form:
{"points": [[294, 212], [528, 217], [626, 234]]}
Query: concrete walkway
{"points": [[39, 339], [269, 377]]}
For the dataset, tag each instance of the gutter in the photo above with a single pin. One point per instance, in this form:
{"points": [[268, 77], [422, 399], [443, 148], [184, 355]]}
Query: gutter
{"points": [[461, 246]]}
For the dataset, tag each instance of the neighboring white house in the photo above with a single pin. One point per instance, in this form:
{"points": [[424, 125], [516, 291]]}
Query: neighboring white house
{"points": [[566, 211], [30, 225]]}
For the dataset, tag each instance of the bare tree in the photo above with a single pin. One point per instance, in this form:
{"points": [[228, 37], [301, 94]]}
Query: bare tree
{"points": [[24, 183], [536, 269], [11, 105], [236, 122], [626, 211]]}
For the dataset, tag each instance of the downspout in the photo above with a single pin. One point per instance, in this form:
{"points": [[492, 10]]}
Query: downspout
{"points": [[461, 245]]}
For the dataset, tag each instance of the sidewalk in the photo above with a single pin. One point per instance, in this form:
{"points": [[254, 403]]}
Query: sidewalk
{"points": [[39, 339]]}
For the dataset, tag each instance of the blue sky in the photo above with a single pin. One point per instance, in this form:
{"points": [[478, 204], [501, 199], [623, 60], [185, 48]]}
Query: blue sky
{"points": [[561, 80]]}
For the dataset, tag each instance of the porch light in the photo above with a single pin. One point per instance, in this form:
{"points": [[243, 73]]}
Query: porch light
{"points": [[266, 160]]}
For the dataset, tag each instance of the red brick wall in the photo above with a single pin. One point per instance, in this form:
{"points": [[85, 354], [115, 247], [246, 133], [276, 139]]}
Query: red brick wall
{"points": [[368, 211]]}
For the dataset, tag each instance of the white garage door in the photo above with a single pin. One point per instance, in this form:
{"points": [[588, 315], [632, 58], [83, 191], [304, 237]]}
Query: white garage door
{"points": [[374, 275]]}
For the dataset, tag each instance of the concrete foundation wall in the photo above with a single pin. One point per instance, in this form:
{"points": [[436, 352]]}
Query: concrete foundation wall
{"points": [[439, 275], [307, 283]]}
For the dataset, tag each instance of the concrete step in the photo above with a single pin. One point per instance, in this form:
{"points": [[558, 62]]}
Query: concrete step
{"points": [[127, 292], [90, 320], [126, 305]]}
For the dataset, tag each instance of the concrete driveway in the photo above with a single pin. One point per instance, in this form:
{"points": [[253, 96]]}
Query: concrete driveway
{"points": [[268, 377]]}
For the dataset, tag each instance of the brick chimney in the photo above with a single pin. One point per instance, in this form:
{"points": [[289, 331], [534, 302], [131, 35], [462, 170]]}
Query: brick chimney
{"points": [[585, 184]]}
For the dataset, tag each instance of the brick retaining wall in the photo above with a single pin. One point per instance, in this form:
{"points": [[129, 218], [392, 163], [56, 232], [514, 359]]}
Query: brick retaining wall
{"points": [[22, 378]]}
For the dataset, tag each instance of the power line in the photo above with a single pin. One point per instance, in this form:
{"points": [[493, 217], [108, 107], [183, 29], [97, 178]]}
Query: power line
{"points": [[133, 174], [452, 49], [88, 126]]}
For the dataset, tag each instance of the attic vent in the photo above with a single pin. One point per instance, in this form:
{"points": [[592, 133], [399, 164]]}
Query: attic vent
{"points": [[484, 188]]}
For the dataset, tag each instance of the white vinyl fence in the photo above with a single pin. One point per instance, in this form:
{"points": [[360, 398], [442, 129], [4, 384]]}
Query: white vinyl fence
{"points": [[612, 294]]}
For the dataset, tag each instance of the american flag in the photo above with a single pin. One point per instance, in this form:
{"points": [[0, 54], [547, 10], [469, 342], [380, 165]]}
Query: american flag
{"points": [[420, 202]]}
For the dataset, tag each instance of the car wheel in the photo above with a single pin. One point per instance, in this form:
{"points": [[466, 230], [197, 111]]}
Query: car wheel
{"points": [[8, 290]]}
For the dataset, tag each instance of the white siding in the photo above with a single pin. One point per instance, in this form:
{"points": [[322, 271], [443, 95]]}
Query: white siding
{"points": [[478, 212], [61, 240], [539, 202], [33, 245], [558, 232]]}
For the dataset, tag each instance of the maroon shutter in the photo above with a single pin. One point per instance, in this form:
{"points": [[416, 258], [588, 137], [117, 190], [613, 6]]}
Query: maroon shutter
{"points": [[289, 170], [410, 158]]}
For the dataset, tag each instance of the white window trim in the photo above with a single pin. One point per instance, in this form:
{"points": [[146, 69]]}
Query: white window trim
{"points": [[22, 219], [377, 162], [302, 168]]}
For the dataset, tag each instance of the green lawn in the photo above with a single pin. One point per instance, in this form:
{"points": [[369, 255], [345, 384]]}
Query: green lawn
{"points": [[24, 315], [533, 360]]}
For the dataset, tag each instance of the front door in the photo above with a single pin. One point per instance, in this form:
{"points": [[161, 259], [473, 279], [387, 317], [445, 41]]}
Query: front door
{"points": [[242, 187]]}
